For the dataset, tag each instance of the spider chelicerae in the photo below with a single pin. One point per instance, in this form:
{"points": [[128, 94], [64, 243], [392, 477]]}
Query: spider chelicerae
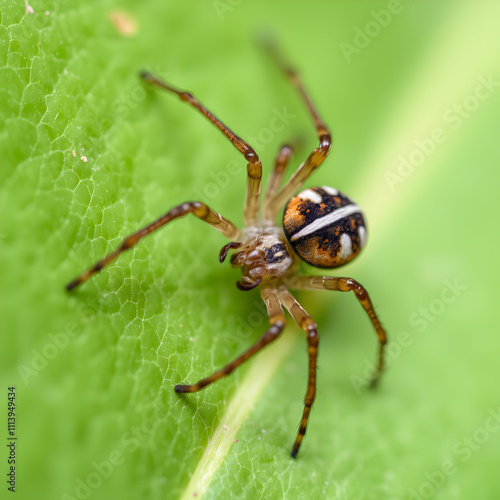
{"points": [[321, 226]]}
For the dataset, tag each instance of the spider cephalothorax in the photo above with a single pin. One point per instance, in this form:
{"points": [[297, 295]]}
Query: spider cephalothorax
{"points": [[321, 226], [262, 256]]}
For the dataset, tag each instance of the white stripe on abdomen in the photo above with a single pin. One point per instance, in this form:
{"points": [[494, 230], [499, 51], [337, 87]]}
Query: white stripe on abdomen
{"points": [[327, 220]]}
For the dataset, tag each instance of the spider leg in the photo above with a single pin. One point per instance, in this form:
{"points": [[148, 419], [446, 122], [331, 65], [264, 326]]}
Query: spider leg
{"points": [[316, 158], [198, 209], [277, 321], [309, 326], [280, 164], [254, 166], [348, 285]]}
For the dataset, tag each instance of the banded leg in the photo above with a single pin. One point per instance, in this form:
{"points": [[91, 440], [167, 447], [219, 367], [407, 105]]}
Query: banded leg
{"points": [[200, 210], [309, 326], [277, 321], [273, 184], [349, 285], [254, 166], [316, 158]]}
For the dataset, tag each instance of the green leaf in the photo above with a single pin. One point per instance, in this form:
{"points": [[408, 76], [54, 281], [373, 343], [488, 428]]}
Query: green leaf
{"points": [[88, 155]]}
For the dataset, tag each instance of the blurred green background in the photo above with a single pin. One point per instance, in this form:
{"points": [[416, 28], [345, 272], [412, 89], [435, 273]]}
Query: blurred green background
{"points": [[411, 92]]}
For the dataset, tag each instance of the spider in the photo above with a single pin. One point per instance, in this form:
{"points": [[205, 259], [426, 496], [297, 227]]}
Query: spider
{"points": [[321, 226]]}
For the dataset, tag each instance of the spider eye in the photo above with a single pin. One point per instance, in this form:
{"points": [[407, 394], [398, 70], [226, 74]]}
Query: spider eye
{"points": [[276, 253]]}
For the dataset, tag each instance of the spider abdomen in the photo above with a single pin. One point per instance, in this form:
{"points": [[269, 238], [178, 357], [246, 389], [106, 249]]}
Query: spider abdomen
{"points": [[324, 227]]}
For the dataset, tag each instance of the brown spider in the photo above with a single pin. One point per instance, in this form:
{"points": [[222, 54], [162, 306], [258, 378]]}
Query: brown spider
{"points": [[321, 226]]}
